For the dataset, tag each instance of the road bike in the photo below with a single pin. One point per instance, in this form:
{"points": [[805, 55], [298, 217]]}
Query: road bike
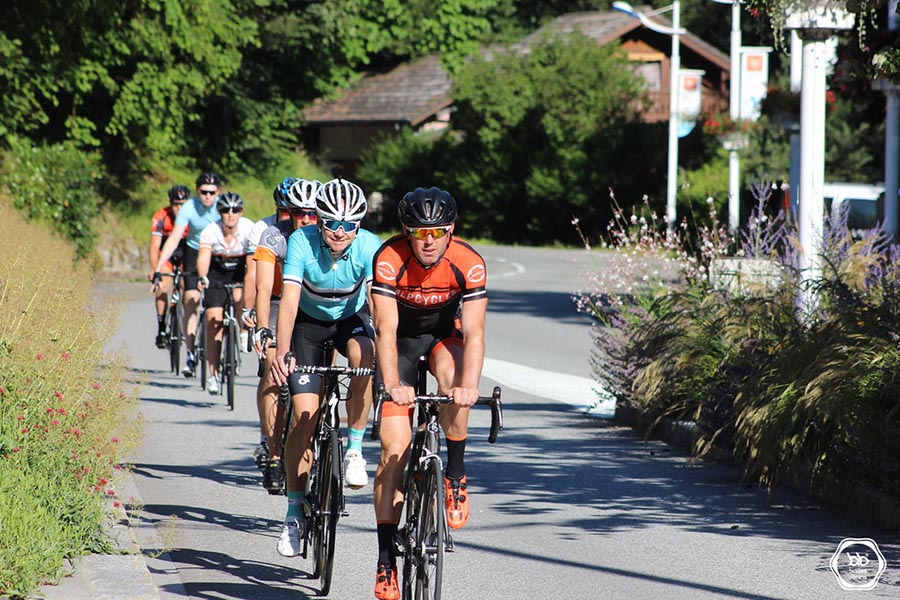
{"points": [[424, 535], [230, 358], [174, 318], [324, 501]]}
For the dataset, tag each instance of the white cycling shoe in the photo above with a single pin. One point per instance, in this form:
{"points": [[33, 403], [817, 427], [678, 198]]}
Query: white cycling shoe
{"points": [[289, 543], [355, 475]]}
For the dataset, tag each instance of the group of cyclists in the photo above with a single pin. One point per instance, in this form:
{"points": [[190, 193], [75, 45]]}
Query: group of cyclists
{"points": [[311, 274]]}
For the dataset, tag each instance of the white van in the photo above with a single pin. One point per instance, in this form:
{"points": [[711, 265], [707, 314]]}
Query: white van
{"points": [[865, 203]]}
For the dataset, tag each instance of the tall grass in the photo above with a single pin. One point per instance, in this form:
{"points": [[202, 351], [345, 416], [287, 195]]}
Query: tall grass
{"points": [[65, 422], [787, 391]]}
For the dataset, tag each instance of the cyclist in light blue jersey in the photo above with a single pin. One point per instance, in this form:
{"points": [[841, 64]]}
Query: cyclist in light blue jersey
{"points": [[327, 276], [196, 214]]}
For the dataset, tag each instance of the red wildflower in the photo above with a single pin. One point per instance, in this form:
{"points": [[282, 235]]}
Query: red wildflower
{"points": [[58, 395], [66, 355], [55, 422], [39, 356]]}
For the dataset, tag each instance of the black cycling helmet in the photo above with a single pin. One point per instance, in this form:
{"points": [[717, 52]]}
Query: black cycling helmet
{"points": [[209, 178], [229, 200], [281, 193], [432, 207], [179, 192]]}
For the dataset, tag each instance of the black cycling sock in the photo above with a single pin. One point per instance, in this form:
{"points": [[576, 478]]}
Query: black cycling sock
{"points": [[161, 322], [386, 548], [456, 452]]}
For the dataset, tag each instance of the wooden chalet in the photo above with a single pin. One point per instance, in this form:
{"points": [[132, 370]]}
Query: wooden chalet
{"points": [[417, 94]]}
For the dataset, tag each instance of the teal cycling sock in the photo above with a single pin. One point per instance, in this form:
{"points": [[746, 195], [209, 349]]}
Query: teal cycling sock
{"points": [[355, 439], [295, 504]]}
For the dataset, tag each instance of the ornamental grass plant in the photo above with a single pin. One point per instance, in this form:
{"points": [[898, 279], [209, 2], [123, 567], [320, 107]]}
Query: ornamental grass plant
{"points": [[792, 394], [65, 422]]}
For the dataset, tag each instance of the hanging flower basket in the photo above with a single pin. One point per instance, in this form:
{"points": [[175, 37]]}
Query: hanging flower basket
{"points": [[734, 134]]}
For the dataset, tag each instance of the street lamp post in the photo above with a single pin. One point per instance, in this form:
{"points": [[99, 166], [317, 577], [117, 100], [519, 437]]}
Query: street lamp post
{"points": [[734, 111], [675, 63]]}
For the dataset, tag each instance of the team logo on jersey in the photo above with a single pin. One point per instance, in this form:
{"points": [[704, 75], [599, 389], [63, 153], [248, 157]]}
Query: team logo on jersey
{"points": [[386, 271], [476, 274], [271, 239]]}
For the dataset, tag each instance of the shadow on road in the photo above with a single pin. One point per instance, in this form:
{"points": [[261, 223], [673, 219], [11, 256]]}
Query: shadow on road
{"points": [[553, 305]]}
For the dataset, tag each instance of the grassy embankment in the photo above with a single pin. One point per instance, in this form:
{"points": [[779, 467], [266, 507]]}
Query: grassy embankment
{"points": [[65, 411]]}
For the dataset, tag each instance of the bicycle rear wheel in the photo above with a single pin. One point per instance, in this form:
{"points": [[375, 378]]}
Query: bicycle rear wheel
{"points": [[329, 501], [430, 534]]}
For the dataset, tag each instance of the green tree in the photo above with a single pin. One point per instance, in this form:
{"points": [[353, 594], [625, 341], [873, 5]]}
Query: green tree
{"points": [[541, 132]]}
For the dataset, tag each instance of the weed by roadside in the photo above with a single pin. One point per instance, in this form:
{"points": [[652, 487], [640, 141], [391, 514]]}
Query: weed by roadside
{"points": [[65, 421]]}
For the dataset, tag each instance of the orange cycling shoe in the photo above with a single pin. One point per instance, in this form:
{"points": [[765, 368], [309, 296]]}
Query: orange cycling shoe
{"points": [[457, 501], [386, 587]]}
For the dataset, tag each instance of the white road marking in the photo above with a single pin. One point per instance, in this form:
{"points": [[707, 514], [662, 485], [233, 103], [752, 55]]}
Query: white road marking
{"points": [[579, 392], [517, 269]]}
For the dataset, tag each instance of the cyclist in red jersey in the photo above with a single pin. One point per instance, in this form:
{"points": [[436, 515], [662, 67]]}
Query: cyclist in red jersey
{"points": [[161, 226], [429, 299]]}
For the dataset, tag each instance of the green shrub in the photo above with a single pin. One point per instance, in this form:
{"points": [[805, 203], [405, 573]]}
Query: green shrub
{"points": [[58, 185]]}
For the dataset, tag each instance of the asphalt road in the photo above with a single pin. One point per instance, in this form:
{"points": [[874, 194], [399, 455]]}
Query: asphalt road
{"points": [[564, 505]]}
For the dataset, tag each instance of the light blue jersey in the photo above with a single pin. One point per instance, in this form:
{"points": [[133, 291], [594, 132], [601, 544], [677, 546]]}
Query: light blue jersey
{"points": [[196, 217], [331, 290]]}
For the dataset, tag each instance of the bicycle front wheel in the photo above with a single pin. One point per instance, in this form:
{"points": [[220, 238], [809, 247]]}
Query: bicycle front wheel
{"points": [[200, 348], [229, 342], [329, 501], [429, 540], [175, 313]]}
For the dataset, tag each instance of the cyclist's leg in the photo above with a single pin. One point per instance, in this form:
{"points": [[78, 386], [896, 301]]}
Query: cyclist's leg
{"points": [[162, 304], [445, 362], [191, 298], [214, 331], [395, 436]]}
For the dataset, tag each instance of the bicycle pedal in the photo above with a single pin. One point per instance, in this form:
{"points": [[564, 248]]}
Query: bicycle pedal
{"points": [[448, 544], [344, 513]]}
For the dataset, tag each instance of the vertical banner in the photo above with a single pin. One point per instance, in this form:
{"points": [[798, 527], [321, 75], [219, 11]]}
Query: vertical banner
{"points": [[754, 80], [690, 89]]}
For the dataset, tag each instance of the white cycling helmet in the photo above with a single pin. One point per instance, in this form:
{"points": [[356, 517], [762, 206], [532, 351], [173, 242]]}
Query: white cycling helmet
{"points": [[302, 194], [340, 200]]}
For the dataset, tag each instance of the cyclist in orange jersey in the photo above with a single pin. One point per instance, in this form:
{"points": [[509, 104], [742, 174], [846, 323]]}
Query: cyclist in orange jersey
{"points": [[429, 299], [161, 225]]}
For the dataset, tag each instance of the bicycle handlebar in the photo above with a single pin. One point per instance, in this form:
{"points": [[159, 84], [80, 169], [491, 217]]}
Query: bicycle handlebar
{"points": [[493, 401], [335, 370]]}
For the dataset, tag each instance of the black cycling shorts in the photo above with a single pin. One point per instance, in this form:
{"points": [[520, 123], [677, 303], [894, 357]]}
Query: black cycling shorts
{"points": [[190, 268], [308, 344]]}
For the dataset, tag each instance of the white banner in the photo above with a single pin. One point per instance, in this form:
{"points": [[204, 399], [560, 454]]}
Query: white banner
{"points": [[754, 80], [690, 90]]}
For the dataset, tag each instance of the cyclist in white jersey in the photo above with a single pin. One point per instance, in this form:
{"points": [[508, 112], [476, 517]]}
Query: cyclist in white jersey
{"points": [[221, 259], [327, 276], [195, 215]]}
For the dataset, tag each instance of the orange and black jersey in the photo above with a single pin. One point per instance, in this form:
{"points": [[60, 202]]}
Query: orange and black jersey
{"points": [[428, 300]]}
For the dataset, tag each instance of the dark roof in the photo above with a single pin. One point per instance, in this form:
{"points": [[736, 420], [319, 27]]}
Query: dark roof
{"points": [[413, 92], [409, 93]]}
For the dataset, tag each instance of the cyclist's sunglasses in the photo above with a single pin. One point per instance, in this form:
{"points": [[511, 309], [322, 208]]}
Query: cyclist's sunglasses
{"points": [[208, 192], [333, 225], [232, 210], [422, 233], [304, 212]]}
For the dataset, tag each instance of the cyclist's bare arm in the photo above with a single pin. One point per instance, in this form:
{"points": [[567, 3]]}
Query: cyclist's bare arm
{"points": [[265, 279], [170, 246], [250, 291], [472, 320], [386, 316], [204, 256], [287, 314], [153, 252]]}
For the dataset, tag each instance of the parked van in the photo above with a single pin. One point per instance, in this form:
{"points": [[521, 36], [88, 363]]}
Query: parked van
{"points": [[865, 203]]}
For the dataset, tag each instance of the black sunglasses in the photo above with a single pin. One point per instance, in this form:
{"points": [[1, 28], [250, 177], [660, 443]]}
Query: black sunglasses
{"points": [[232, 210], [208, 192]]}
